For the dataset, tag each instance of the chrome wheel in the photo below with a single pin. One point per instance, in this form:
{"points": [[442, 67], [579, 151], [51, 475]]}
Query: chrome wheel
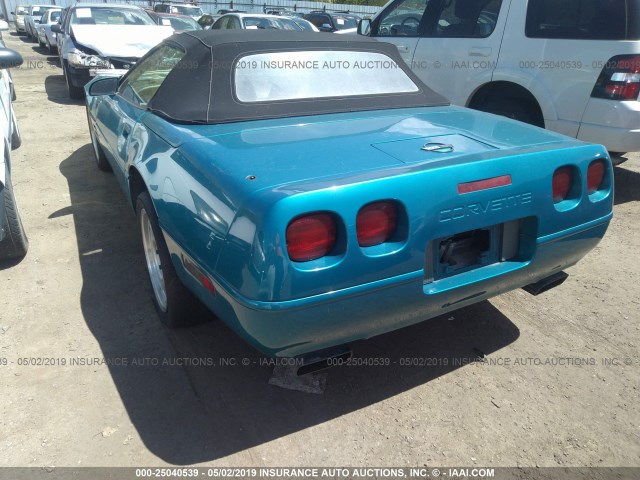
{"points": [[154, 265]]}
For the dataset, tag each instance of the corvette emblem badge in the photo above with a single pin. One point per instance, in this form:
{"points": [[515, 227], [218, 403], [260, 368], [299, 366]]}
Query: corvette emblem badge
{"points": [[437, 147]]}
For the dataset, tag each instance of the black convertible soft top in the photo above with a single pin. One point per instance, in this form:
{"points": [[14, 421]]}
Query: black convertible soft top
{"points": [[200, 89]]}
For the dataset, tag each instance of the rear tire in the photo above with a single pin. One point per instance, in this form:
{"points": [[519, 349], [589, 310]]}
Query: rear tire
{"points": [[514, 108], [75, 93], [176, 306], [15, 244]]}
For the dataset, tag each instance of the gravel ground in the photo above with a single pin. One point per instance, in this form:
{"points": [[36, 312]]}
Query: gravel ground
{"points": [[496, 388]]}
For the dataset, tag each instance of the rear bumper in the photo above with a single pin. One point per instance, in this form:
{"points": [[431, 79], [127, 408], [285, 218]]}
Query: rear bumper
{"points": [[297, 327], [614, 124]]}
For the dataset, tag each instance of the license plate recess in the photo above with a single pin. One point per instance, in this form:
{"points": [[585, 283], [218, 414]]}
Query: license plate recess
{"points": [[471, 249]]}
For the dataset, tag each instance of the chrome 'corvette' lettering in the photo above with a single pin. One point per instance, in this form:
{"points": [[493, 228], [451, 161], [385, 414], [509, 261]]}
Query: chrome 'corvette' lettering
{"points": [[480, 208]]}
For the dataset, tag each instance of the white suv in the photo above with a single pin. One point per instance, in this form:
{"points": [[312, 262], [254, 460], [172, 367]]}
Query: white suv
{"points": [[572, 66]]}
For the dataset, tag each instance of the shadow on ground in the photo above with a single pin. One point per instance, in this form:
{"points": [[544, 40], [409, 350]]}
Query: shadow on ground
{"points": [[56, 89], [626, 185], [6, 264], [191, 414]]}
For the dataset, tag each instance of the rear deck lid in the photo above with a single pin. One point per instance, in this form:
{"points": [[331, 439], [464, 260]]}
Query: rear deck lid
{"points": [[433, 148]]}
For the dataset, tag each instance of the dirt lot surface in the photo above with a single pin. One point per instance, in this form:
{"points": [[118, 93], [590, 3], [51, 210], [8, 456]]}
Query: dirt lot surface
{"points": [[517, 381]]}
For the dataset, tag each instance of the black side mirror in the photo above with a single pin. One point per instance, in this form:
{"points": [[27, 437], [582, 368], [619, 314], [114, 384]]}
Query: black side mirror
{"points": [[104, 86], [325, 28], [10, 58], [56, 28], [364, 27]]}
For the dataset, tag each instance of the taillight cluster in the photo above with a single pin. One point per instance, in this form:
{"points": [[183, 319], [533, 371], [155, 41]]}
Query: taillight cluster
{"points": [[314, 235], [619, 79], [565, 178]]}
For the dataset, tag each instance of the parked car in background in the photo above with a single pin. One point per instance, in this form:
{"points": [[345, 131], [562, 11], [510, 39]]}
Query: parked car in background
{"points": [[283, 12], [332, 22], [179, 23], [256, 21], [20, 13], [572, 67], [292, 203], [304, 25], [207, 20], [224, 11], [46, 38], [13, 239], [33, 19], [297, 17], [189, 9], [4, 27], [97, 36]]}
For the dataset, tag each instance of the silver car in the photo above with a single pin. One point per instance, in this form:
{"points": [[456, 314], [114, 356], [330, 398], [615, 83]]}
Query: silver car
{"points": [[98, 36], [33, 19], [47, 38], [20, 14], [13, 240], [260, 21]]}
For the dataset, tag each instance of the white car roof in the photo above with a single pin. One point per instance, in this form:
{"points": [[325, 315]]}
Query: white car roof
{"points": [[104, 5], [256, 15]]}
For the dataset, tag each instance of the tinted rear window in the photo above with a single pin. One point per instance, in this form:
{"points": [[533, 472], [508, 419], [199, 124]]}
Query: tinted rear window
{"points": [[583, 19]]}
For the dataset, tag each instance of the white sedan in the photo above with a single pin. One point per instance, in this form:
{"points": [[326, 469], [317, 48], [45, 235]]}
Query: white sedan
{"points": [[47, 38], [32, 20], [259, 21]]}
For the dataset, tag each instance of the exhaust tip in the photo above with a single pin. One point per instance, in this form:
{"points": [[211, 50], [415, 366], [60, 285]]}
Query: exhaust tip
{"points": [[545, 284]]}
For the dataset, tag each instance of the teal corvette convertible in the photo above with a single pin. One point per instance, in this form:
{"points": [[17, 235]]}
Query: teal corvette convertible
{"points": [[311, 191]]}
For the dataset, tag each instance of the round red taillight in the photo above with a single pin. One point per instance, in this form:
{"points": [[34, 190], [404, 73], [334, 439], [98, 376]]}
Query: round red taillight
{"points": [[311, 236], [376, 223]]}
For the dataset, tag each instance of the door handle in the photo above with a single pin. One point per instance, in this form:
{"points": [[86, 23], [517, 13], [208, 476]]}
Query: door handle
{"points": [[479, 51], [403, 49]]}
